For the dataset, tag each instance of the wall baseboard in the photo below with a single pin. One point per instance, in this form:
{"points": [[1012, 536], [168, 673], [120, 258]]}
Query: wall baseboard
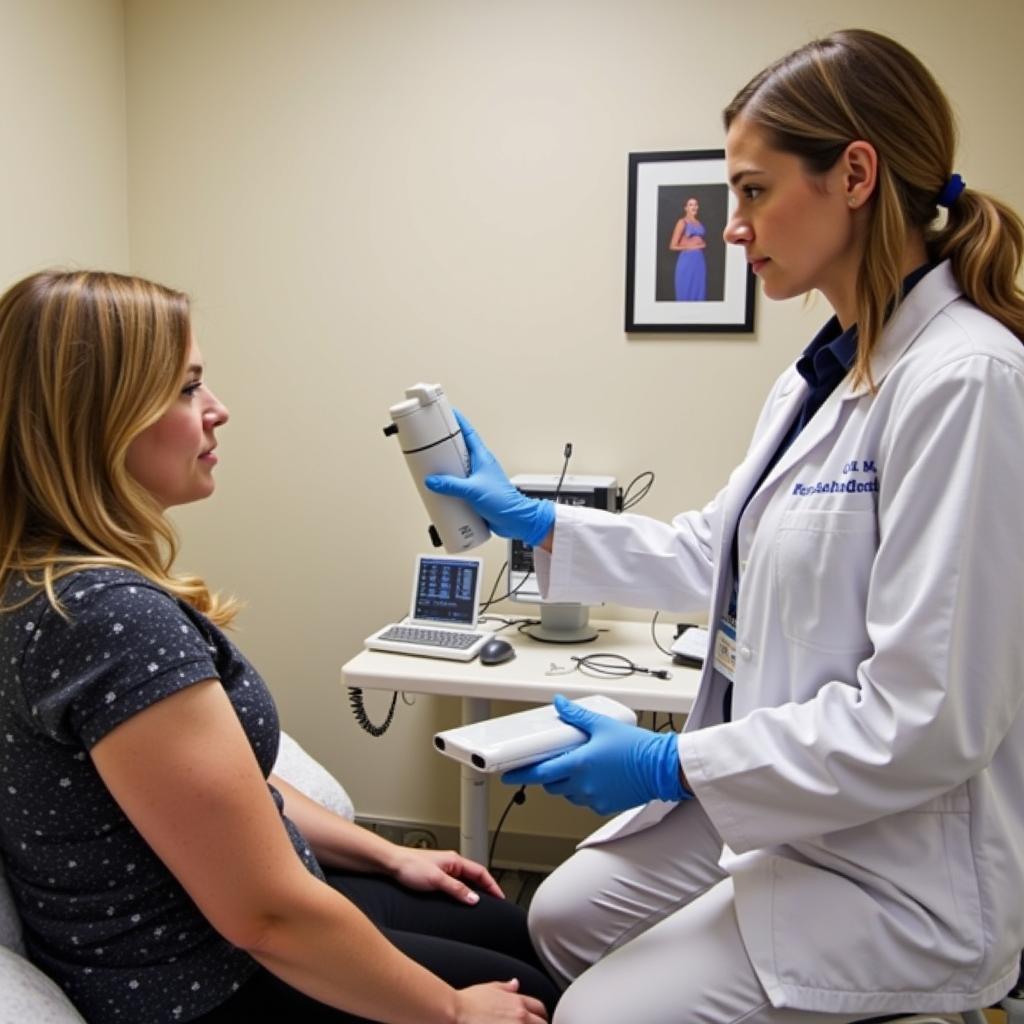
{"points": [[522, 851]]}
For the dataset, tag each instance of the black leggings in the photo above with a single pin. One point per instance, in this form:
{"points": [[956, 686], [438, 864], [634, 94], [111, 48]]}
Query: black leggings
{"points": [[464, 945]]}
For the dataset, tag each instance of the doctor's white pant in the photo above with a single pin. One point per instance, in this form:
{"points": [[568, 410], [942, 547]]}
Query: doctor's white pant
{"points": [[642, 929]]}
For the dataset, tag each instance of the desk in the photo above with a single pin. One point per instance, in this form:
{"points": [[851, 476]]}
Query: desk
{"points": [[525, 678]]}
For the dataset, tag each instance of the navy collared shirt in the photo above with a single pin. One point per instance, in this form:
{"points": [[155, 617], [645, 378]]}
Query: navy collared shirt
{"points": [[824, 364], [826, 361]]}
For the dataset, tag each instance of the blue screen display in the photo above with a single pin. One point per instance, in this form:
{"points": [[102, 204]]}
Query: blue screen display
{"points": [[446, 590]]}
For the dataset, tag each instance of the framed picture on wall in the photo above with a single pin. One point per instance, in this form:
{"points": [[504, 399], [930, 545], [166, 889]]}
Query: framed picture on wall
{"points": [[680, 274]]}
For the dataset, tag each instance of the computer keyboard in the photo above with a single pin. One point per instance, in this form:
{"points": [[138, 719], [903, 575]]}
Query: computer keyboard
{"points": [[454, 639]]}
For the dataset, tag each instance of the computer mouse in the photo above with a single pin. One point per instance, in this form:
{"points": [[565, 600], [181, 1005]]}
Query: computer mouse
{"points": [[495, 651]]}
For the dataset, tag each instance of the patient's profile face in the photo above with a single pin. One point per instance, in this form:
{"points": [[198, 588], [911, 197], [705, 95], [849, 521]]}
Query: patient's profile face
{"points": [[174, 457]]}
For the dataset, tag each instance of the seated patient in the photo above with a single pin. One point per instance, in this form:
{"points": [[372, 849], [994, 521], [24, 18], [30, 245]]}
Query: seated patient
{"points": [[162, 874]]}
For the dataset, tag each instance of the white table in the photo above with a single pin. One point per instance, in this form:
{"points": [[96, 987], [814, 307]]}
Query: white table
{"points": [[528, 677]]}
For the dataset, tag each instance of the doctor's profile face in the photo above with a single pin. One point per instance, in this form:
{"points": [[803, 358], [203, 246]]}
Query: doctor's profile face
{"points": [[795, 226]]}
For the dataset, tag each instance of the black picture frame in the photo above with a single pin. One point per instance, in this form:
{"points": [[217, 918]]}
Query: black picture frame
{"points": [[671, 291]]}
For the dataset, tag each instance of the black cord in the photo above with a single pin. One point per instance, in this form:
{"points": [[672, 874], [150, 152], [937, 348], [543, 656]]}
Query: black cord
{"points": [[509, 593], [503, 621], [522, 891], [491, 599], [355, 699], [669, 725], [518, 797], [628, 499], [566, 456], [524, 624], [616, 665], [654, 637]]}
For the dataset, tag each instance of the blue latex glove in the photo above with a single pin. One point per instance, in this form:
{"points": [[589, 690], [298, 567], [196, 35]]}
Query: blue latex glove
{"points": [[619, 766], [507, 511]]}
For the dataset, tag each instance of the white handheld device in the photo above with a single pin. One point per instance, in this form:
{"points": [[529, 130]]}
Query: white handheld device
{"points": [[500, 744], [432, 442]]}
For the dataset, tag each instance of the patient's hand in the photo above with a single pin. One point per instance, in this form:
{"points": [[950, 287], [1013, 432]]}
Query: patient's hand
{"points": [[444, 871]]}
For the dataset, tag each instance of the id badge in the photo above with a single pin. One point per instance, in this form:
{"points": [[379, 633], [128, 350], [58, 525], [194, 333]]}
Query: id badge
{"points": [[725, 641]]}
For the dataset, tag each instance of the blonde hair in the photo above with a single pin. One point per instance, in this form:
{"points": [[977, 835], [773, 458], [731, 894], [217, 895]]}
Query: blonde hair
{"points": [[88, 360], [859, 85]]}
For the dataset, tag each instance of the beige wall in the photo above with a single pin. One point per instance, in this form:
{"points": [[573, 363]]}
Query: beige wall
{"points": [[63, 198], [361, 195], [364, 193]]}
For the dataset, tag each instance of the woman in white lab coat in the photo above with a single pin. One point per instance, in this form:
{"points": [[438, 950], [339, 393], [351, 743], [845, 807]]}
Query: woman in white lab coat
{"points": [[839, 830]]}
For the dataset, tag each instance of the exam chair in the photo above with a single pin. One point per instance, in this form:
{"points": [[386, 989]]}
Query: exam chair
{"points": [[1011, 1005], [27, 996]]}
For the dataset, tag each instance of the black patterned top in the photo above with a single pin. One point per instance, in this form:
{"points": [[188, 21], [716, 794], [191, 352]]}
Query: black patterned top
{"points": [[102, 915]]}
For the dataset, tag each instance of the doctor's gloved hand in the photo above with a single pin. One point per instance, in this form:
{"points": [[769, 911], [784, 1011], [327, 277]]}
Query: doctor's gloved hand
{"points": [[507, 511], [620, 766]]}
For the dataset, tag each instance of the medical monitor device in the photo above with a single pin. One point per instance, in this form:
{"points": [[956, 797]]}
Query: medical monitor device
{"points": [[446, 591], [443, 611], [559, 622]]}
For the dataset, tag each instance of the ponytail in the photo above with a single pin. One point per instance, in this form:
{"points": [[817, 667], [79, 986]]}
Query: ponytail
{"points": [[984, 241]]}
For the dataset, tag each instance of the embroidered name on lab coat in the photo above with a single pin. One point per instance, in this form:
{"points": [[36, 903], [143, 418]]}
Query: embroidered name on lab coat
{"points": [[835, 487], [865, 466]]}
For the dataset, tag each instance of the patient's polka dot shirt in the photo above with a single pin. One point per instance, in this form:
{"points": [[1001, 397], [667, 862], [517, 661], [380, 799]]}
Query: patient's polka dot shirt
{"points": [[102, 915]]}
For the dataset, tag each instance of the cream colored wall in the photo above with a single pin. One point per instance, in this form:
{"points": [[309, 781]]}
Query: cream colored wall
{"points": [[360, 195], [63, 198]]}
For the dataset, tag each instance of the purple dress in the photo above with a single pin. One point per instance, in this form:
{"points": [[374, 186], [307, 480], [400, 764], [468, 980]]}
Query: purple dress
{"points": [[691, 269]]}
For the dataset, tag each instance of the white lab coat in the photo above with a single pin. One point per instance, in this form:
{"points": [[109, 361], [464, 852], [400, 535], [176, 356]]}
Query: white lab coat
{"points": [[869, 785]]}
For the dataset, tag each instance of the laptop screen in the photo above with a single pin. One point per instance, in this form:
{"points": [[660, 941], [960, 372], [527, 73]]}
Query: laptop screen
{"points": [[446, 590]]}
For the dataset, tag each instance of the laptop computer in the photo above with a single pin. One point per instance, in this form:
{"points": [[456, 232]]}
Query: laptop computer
{"points": [[442, 620]]}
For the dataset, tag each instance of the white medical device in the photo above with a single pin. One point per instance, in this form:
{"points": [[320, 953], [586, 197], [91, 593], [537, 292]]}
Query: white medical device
{"points": [[559, 622], [431, 441], [500, 744]]}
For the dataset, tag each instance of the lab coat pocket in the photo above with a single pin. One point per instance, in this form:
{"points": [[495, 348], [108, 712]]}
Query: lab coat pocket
{"points": [[822, 565], [939, 876], [904, 890]]}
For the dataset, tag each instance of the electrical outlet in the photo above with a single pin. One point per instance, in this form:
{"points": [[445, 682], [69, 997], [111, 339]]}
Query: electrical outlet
{"points": [[421, 838], [392, 833]]}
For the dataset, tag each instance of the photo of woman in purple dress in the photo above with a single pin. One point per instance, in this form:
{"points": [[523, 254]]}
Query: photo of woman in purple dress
{"points": [[691, 269]]}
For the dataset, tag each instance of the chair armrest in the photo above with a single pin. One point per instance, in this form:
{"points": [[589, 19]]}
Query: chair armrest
{"points": [[306, 774], [29, 995]]}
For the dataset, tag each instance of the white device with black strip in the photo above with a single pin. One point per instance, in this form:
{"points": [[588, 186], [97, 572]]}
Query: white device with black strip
{"points": [[511, 741]]}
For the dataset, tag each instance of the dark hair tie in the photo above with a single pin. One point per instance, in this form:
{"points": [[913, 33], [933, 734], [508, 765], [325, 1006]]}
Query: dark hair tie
{"points": [[951, 192]]}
